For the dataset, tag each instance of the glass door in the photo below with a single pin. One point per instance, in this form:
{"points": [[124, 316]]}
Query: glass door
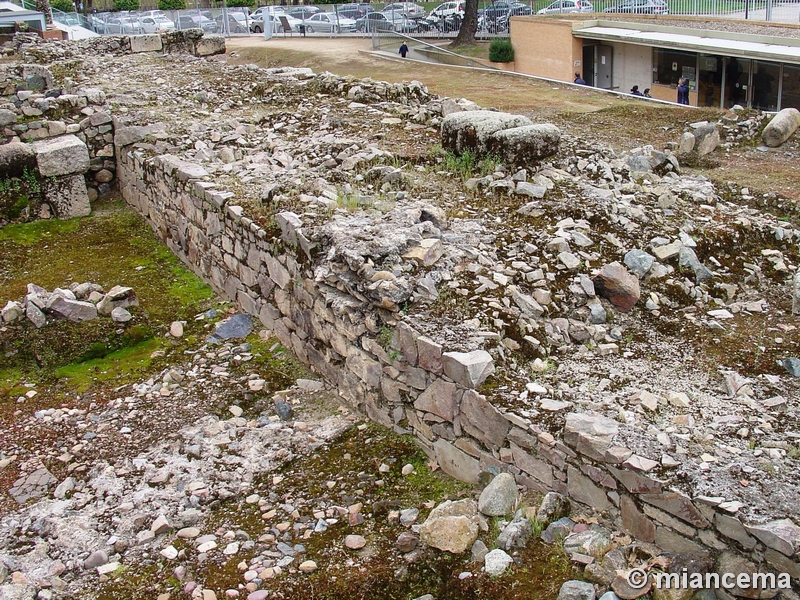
{"points": [[709, 81], [737, 80], [766, 84]]}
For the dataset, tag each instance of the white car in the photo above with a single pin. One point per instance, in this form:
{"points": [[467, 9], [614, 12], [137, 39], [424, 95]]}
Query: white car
{"points": [[325, 22], [446, 9], [158, 23], [567, 6], [272, 10]]}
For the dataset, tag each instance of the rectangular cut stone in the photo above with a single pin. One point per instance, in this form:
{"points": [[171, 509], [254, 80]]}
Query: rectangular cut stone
{"points": [[635, 522], [145, 43], [536, 468], [61, 156], [456, 463], [367, 370], [668, 540], [429, 355], [405, 337], [782, 535], [209, 45], [678, 505], [67, 196], [583, 490], [468, 369], [481, 420], [732, 528], [439, 399], [636, 483], [277, 272], [590, 435]]}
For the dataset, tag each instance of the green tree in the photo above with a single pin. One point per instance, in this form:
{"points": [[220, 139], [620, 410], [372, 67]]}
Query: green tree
{"points": [[237, 3], [63, 5], [126, 4], [171, 4]]}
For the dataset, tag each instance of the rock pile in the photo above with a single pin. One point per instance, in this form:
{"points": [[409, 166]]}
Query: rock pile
{"points": [[80, 302]]}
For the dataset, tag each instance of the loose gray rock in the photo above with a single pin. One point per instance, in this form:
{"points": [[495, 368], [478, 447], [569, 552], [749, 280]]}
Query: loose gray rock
{"points": [[576, 590], [592, 542], [95, 559], [238, 326], [554, 506], [706, 139], [496, 561], [557, 530], [479, 551], [516, 534], [639, 262], [500, 497], [792, 365], [525, 145]]}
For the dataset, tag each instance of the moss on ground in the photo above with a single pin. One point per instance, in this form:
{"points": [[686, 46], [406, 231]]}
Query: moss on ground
{"points": [[112, 247]]}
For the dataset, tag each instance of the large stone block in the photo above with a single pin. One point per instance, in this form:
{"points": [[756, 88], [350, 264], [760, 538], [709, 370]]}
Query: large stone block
{"points": [[209, 45], [67, 196], [468, 369], [482, 420], [456, 463], [581, 489], [146, 43], [635, 522], [61, 156], [678, 505], [591, 435], [471, 130], [524, 145], [781, 127], [439, 399], [782, 535], [16, 158]]}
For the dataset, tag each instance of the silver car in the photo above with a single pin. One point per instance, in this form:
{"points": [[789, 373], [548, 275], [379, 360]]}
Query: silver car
{"points": [[325, 22], [123, 25]]}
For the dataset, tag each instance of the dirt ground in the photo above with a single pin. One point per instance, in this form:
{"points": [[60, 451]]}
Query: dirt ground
{"points": [[619, 121]]}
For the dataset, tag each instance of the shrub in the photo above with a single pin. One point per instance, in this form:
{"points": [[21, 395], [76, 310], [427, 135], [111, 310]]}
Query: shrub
{"points": [[237, 3], [171, 4], [126, 4], [63, 5], [501, 51]]}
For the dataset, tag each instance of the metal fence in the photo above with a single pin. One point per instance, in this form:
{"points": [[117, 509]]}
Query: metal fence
{"points": [[438, 21]]}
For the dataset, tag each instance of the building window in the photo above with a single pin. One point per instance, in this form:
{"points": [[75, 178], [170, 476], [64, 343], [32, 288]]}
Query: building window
{"points": [[671, 65], [790, 92]]}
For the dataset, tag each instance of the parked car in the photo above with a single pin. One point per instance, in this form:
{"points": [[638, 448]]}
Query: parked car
{"points": [[407, 9], [354, 11], [158, 23], [304, 12], [129, 25], [328, 23], [378, 21], [196, 21], [238, 22], [447, 9], [496, 16], [647, 7], [567, 6], [257, 22], [272, 10]]}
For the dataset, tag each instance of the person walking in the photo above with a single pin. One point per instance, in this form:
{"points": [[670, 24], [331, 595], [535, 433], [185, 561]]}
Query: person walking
{"points": [[683, 91], [403, 50], [579, 80]]}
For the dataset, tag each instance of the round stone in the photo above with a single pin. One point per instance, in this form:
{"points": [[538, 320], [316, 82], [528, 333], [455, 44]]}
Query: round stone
{"points": [[308, 566], [355, 542]]}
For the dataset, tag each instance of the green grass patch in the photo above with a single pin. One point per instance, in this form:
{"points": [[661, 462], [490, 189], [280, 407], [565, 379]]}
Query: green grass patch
{"points": [[122, 366], [112, 247], [28, 234]]}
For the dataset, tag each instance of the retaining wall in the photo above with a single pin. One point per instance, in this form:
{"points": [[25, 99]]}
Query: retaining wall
{"points": [[414, 384]]}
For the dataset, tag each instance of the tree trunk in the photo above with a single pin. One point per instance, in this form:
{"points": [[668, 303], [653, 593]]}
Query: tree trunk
{"points": [[466, 35], [43, 6]]}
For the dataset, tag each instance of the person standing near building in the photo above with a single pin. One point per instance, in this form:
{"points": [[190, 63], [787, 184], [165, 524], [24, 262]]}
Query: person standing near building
{"points": [[579, 80], [403, 50], [635, 91], [683, 91]]}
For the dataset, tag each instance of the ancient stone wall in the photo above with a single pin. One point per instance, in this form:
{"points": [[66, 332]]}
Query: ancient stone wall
{"points": [[414, 384]]}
